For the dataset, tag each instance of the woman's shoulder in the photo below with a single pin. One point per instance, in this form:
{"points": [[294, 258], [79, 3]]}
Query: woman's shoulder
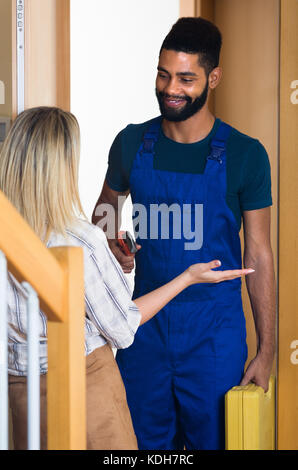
{"points": [[86, 233], [82, 233]]}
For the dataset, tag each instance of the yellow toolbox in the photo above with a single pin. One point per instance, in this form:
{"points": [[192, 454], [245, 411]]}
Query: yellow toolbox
{"points": [[250, 417]]}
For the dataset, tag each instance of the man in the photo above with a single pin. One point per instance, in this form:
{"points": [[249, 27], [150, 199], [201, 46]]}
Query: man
{"points": [[184, 360]]}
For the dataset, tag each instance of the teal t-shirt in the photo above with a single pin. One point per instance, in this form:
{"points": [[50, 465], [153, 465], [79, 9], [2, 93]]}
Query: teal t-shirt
{"points": [[248, 166]]}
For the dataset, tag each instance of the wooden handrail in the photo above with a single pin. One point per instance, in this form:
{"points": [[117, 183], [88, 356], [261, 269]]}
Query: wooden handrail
{"points": [[66, 360], [56, 274]]}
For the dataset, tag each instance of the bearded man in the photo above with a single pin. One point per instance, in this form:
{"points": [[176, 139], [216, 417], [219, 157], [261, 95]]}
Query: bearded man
{"points": [[185, 359]]}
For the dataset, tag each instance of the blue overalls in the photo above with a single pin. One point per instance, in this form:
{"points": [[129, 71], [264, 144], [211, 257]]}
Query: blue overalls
{"points": [[193, 351]]}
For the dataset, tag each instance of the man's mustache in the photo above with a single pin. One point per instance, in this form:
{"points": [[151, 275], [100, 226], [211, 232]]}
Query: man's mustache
{"points": [[174, 97]]}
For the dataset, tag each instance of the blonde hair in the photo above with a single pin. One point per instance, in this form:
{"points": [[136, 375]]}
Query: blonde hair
{"points": [[39, 164]]}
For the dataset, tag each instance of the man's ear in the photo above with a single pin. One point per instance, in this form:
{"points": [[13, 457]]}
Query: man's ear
{"points": [[215, 77]]}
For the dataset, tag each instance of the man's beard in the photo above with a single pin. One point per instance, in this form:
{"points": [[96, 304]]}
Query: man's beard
{"points": [[189, 109]]}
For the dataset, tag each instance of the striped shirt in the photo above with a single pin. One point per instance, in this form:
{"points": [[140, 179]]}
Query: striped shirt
{"points": [[111, 315]]}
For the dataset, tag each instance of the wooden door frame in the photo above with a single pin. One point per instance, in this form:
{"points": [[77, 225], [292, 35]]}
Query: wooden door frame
{"points": [[47, 54], [287, 404]]}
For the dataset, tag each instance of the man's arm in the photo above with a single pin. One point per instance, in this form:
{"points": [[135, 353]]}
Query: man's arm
{"points": [[107, 215], [262, 293]]}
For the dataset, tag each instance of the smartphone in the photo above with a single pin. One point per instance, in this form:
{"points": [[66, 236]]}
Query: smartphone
{"points": [[127, 243]]}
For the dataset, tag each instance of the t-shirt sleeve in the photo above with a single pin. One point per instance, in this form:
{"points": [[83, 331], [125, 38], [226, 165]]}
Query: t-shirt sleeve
{"points": [[116, 176], [255, 192]]}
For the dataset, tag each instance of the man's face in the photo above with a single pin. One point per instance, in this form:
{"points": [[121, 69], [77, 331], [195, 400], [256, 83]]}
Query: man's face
{"points": [[181, 85]]}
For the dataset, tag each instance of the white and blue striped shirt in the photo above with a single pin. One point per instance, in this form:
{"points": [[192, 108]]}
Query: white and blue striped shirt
{"points": [[111, 315]]}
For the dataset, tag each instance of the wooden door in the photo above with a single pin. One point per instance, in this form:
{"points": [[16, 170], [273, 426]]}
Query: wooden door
{"points": [[242, 99], [47, 53], [46, 50], [260, 54]]}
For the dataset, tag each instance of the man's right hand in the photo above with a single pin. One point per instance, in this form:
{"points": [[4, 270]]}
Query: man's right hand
{"points": [[116, 200], [126, 262]]}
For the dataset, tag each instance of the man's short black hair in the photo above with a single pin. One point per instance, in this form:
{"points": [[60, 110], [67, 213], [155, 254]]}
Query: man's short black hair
{"points": [[196, 36]]}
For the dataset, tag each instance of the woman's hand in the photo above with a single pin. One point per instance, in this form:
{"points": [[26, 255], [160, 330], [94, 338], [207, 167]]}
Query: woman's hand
{"points": [[203, 272], [151, 303]]}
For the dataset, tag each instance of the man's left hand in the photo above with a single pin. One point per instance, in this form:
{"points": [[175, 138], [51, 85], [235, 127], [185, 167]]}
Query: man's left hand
{"points": [[258, 372]]}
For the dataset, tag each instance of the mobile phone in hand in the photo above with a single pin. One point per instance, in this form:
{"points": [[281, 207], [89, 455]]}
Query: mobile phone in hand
{"points": [[127, 243]]}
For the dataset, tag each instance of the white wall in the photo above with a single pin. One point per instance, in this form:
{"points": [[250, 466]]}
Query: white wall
{"points": [[114, 55]]}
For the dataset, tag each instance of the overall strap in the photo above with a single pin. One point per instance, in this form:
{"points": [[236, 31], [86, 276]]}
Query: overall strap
{"points": [[219, 142], [150, 137]]}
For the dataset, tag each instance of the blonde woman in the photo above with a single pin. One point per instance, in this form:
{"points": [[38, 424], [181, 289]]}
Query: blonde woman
{"points": [[39, 174]]}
